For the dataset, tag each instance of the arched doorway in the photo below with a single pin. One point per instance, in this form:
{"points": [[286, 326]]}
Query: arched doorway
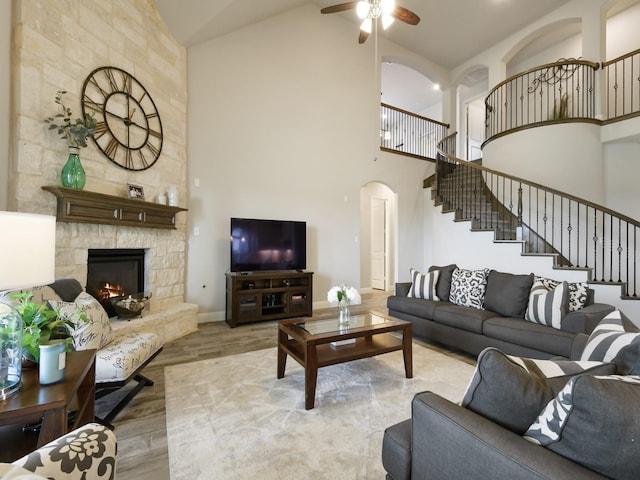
{"points": [[378, 233]]}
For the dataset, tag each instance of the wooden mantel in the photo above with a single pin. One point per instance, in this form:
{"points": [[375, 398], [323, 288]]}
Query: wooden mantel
{"points": [[91, 207]]}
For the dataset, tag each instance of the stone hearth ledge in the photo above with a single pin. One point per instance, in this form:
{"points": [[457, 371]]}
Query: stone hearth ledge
{"points": [[170, 323]]}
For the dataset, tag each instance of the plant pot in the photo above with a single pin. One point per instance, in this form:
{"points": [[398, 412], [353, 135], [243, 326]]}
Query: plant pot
{"points": [[73, 175]]}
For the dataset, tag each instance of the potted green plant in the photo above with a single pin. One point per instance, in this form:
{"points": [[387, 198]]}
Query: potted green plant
{"points": [[41, 325], [75, 132]]}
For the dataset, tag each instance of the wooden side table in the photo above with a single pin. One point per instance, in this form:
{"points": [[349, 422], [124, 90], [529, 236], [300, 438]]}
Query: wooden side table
{"points": [[50, 403]]}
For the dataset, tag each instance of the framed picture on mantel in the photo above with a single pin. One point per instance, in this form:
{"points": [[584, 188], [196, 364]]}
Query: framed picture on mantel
{"points": [[136, 191]]}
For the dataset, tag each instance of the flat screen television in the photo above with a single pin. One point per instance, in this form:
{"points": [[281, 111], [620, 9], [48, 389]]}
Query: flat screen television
{"points": [[259, 245]]}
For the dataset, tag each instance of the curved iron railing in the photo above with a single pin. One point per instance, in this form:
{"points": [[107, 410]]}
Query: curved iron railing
{"points": [[555, 92], [622, 83], [580, 233], [409, 134]]}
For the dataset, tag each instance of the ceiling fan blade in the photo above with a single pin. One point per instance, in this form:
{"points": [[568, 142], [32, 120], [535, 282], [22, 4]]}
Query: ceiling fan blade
{"points": [[406, 16], [339, 8], [363, 36]]}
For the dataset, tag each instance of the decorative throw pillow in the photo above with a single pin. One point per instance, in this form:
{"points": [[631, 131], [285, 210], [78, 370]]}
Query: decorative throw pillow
{"points": [[423, 286], [577, 292], [443, 287], [96, 332], [511, 391], [592, 422], [507, 294], [615, 339], [548, 307], [468, 287]]}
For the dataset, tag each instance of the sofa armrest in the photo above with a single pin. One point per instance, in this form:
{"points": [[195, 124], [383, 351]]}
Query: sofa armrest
{"points": [[449, 441], [88, 452], [402, 288], [586, 319]]}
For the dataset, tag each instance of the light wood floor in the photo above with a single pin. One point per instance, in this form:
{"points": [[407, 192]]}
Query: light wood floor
{"points": [[141, 427]]}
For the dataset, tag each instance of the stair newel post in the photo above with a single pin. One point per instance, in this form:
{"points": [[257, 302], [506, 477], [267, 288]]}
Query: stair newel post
{"points": [[519, 227]]}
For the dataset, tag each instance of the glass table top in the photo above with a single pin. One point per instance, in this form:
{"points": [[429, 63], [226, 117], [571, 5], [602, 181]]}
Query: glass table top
{"points": [[329, 325]]}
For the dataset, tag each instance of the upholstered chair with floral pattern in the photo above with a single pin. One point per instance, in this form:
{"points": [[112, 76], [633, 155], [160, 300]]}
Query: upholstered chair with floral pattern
{"points": [[87, 453]]}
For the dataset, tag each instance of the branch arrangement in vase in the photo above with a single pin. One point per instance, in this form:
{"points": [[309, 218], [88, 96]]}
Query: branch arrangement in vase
{"points": [[74, 131]]}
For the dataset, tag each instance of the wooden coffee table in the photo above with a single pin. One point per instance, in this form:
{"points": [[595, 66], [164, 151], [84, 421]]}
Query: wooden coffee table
{"points": [[309, 342]]}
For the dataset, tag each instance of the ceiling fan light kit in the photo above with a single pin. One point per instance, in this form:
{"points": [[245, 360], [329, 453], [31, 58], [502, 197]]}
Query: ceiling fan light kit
{"points": [[369, 11]]}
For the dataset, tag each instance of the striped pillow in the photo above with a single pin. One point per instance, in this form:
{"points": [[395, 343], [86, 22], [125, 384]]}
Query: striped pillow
{"points": [[423, 286], [547, 307], [616, 339]]}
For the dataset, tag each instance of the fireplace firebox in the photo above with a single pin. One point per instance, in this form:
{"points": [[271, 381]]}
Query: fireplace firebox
{"points": [[115, 273]]}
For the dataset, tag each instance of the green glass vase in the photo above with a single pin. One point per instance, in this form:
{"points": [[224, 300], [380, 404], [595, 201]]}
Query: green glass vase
{"points": [[73, 175]]}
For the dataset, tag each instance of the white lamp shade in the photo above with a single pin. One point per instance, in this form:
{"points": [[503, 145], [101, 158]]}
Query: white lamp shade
{"points": [[387, 20], [366, 25], [28, 250]]}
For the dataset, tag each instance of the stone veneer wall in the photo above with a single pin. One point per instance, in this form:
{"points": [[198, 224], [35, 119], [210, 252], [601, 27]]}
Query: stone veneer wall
{"points": [[56, 45]]}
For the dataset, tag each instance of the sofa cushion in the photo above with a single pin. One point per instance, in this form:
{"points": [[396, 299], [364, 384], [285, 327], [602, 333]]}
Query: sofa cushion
{"points": [[547, 307], [120, 359], [616, 339], [423, 285], [592, 421], [464, 318], [67, 288], [511, 391], [413, 306], [468, 287], [396, 450], [507, 294], [95, 331], [531, 335], [443, 287], [578, 292]]}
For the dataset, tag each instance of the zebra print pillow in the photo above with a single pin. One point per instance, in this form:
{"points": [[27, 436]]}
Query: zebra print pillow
{"points": [[423, 286], [615, 339], [594, 421]]}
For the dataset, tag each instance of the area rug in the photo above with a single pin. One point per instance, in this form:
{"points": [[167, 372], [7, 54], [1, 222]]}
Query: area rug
{"points": [[231, 418]]}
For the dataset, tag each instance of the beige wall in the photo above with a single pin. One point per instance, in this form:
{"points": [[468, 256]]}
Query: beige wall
{"points": [[57, 45], [283, 124]]}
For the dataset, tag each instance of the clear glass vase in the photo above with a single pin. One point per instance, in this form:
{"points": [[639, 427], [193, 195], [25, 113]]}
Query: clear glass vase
{"points": [[344, 312], [73, 175], [10, 351]]}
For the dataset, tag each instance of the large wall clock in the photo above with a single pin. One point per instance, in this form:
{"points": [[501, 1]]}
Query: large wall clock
{"points": [[129, 130]]}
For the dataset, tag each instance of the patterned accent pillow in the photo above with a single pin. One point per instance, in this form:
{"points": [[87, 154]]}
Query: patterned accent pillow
{"points": [[96, 332], [547, 307], [591, 422], [615, 339], [468, 287], [511, 391], [423, 286], [577, 292]]}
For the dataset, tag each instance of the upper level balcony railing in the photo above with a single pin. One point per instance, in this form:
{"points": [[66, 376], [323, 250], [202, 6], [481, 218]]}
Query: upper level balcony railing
{"points": [[621, 77], [410, 134], [555, 92]]}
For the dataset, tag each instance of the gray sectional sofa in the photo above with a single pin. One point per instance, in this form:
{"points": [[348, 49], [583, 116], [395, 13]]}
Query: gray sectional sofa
{"points": [[500, 322]]}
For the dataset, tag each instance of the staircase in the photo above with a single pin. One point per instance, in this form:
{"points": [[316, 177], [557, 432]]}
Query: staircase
{"points": [[576, 233]]}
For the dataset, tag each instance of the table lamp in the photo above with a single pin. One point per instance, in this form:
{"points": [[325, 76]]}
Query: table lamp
{"points": [[28, 246]]}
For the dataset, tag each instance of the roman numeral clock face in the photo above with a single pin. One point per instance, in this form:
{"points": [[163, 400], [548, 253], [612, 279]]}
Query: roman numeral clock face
{"points": [[129, 131]]}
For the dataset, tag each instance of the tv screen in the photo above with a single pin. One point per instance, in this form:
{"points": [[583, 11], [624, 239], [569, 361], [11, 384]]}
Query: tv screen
{"points": [[268, 245]]}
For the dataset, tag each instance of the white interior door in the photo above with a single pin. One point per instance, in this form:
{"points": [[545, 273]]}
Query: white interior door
{"points": [[378, 243]]}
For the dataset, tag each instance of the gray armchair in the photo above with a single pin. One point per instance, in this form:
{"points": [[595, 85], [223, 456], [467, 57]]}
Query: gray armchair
{"points": [[87, 453]]}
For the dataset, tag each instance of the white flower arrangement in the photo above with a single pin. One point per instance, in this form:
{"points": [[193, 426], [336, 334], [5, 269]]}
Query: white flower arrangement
{"points": [[344, 294]]}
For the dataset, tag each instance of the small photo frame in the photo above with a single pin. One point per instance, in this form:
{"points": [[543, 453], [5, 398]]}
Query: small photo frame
{"points": [[136, 191]]}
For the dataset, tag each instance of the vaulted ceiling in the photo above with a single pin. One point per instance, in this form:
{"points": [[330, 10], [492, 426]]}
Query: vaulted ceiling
{"points": [[450, 31]]}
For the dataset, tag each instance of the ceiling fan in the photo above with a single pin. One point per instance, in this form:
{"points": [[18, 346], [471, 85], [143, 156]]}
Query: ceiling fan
{"points": [[370, 10]]}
